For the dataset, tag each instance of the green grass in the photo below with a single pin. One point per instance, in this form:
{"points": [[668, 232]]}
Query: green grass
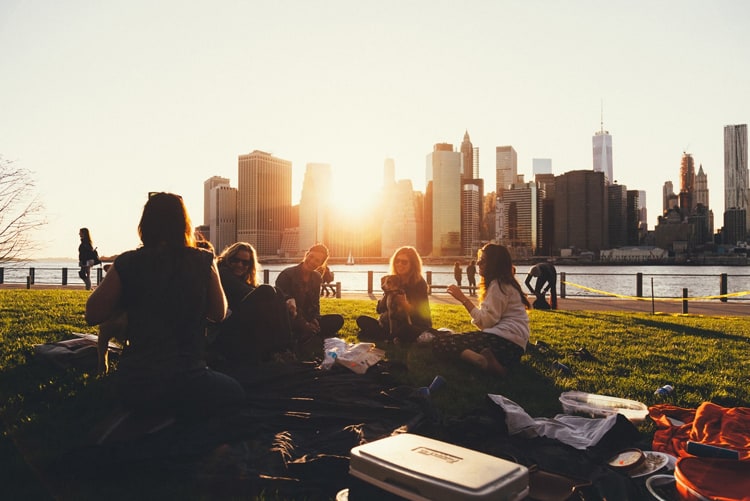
{"points": [[704, 358]]}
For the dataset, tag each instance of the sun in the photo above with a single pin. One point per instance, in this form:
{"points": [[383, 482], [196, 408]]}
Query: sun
{"points": [[351, 199]]}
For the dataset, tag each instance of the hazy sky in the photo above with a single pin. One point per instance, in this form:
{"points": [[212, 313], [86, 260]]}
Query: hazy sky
{"points": [[105, 101]]}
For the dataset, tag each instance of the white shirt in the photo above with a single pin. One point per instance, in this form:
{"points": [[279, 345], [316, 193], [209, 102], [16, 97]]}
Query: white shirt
{"points": [[503, 313]]}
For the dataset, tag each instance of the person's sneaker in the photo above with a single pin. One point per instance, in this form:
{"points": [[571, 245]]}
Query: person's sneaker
{"points": [[425, 337]]}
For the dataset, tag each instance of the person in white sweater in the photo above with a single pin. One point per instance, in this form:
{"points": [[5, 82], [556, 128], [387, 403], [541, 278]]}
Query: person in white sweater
{"points": [[501, 318]]}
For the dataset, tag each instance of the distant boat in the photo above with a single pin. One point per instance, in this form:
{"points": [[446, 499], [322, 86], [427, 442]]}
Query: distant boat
{"points": [[350, 259]]}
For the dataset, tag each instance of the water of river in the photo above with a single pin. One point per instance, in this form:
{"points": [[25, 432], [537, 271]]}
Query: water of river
{"points": [[662, 281]]}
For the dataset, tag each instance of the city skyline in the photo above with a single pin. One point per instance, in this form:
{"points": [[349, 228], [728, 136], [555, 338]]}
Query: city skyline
{"points": [[102, 114]]}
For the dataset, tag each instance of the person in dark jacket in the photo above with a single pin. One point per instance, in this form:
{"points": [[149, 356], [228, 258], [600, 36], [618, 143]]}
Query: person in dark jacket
{"points": [[300, 285], [257, 326], [85, 256]]}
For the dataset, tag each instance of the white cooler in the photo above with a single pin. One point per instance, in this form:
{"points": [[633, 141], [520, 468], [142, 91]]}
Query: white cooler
{"points": [[420, 468]]}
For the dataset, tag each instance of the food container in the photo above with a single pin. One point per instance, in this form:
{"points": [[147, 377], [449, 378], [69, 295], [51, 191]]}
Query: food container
{"points": [[591, 404]]}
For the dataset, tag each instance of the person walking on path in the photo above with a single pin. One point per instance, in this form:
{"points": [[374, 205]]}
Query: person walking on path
{"points": [[85, 256], [471, 276], [545, 274], [501, 317]]}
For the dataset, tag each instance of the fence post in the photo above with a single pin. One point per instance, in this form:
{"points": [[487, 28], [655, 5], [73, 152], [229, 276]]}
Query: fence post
{"points": [[99, 275], [369, 281], [562, 284], [65, 276], [684, 300], [28, 281], [428, 276], [723, 287], [31, 275], [266, 276], [2, 275], [338, 290], [639, 284]]}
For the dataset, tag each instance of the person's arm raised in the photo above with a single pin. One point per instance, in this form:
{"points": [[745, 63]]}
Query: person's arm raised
{"points": [[216, 309]]}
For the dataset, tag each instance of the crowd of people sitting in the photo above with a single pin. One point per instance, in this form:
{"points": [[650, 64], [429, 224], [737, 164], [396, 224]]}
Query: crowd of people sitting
{"points": [[183, 309]]}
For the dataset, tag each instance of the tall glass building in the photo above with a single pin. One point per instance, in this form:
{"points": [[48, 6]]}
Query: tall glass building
{"points": [[264, 201], [735, 168]]}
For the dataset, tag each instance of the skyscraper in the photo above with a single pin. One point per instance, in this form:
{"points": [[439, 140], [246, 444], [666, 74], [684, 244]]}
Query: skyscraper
{"points": [[701, 188], [467, 158], [687, 185], [209, 184], [444, 172], [602, 143], [223, 216], [522, 219], [472, 194], [541, 166], [581, 211], [735, 168], [313, 205], [506, 168], [264, 200]]}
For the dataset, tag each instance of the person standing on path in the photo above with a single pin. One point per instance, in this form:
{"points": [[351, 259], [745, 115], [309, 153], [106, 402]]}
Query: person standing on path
{"points": [[471, 276], [85, 256], [457, 273]]}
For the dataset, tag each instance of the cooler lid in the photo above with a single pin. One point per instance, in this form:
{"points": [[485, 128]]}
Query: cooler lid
{"points": [[442, 461]]}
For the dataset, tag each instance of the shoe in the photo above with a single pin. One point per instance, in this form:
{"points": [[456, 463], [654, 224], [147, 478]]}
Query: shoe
{"points": [[583, 354]]}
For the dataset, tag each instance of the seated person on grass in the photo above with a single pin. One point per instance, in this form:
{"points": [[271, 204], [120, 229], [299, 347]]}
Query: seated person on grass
{"points": [[501, 317], [257, 326]]}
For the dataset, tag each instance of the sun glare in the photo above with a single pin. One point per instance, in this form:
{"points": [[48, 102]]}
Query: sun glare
{"points": [[353, 200]]}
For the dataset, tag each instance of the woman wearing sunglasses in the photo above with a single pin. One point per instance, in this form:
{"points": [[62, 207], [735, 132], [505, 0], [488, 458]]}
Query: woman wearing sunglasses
{"points": [[406, 265], [258, 325]]}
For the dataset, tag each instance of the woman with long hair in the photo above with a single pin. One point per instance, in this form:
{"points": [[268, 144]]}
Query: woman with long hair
{"points": [[406, 265], [258, 323], [501, 317], [85, 256], [169, 289]]}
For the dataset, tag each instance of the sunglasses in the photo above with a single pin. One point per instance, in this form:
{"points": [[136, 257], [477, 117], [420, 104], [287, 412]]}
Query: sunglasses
{"points": [[236, 260]]}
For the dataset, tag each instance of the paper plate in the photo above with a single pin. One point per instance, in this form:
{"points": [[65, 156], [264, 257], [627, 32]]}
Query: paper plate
{"points": [[654, 462]]}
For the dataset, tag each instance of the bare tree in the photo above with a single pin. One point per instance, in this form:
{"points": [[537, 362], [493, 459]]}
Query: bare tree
{"points": [[20, 211]]}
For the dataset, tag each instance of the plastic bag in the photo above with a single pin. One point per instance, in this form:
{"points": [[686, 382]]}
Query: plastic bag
{"points": [[355, 357]]}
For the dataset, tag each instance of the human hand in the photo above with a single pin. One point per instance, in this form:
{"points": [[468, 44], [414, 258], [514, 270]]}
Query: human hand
{"points": [[291, 305], [313, 326], [456, 292]]}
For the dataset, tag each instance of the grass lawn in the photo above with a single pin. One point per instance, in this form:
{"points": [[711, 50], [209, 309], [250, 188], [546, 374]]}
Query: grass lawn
{"points": [[704, 358]]}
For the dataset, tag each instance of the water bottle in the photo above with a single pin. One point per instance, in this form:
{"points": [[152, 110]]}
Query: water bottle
{"points": [[426, 391], [664, 391]]}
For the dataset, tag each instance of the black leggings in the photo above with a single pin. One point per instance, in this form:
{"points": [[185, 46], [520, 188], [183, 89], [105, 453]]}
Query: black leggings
{"points": [[450, 345]]}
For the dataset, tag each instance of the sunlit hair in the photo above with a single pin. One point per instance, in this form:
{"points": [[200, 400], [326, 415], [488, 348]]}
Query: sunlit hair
{"points": [[165, 221], [319, 248], [86, 235], [251, 277], [498, 266], [415, 270]]}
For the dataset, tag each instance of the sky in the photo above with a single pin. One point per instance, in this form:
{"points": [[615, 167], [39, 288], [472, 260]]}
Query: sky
{"points": [[104, 101]]}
